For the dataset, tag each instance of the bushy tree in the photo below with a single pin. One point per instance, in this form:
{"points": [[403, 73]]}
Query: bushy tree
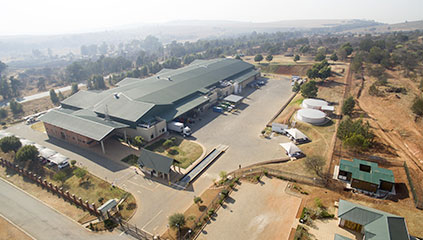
{"points": [[334, 57], [177, 221], [296, 87], [356, 135], [296, 58], [258, 58], [198, 200], [60, 176], [269, 58], [348, 106], [138, 141], [417, 106], [309, 89], [25, 153], [320, 70], [53, 97], [15, 107], [80, 172], [319, 57], [11, 143]]}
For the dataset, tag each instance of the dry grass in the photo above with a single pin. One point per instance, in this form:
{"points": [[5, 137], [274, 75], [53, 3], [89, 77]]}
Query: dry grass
{"points": [[187, 151], [38, 126], [10, 232]]}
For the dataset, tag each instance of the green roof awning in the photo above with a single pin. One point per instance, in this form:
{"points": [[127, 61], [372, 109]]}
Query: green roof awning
{"points": [[155, 161], [83, 124]]}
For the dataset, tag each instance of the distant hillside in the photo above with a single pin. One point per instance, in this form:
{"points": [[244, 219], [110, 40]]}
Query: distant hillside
{"points": [[167, 32], [405, 26]]}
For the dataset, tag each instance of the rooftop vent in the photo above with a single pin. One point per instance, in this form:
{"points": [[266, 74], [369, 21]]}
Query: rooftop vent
{"points": [[158, 77], [116, 95]]}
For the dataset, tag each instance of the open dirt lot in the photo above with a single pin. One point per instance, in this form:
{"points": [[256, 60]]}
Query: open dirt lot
{"points": [[270, 214], [11, 232]]}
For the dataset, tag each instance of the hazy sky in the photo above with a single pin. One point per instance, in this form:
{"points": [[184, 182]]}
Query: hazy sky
{"points": [[58, 16]]}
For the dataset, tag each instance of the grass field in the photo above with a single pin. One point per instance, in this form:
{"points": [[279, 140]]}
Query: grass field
{"points": [[183, 151]]}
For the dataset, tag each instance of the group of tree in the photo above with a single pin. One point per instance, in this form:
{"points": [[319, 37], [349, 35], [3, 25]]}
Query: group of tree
{"points": [[320, 70], [348, 106], [96, 82], [15, 107], [355, 134], [309, 89], [344, 51], [10, 143], [53, 97], [10, 87]]}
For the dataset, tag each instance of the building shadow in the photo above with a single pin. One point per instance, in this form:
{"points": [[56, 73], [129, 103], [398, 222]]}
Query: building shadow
{"points": [[103, 160]]}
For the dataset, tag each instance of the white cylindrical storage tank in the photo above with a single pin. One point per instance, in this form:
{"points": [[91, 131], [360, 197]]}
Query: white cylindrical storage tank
{"points": [[312, 103], [311, 116]]}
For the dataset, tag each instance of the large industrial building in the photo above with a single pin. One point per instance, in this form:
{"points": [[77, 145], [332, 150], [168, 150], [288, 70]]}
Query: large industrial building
{"points": [[141, 107]]}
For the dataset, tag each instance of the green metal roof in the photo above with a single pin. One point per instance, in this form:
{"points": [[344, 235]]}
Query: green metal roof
{"points": [[82, 122], [152, 160], [376, 174], [244, 76], [378, 225], [166, 94]]}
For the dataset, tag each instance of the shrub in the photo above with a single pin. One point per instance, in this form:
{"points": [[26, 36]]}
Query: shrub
{"points": [[223, 175], [325, 214], [173, 151], [210, 212], [198, 200], [60, 177], [257, 178], [73, 162], [120, 207], [318, 202], [374, 91], [109, 224], [263, 131], [225, 192], [232, 185], [100, 199], [80, 172], [131, 206], [417, 106], [355, 134], [168, 143], [15, 107], [296, 87]]}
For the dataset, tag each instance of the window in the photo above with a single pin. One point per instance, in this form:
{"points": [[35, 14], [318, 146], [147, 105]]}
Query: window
{"points": [[365, 168], [152, 136], [163, 130]]}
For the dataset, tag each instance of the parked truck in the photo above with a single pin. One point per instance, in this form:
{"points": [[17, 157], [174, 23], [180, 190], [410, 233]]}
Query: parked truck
{"points": [[179, 128]]}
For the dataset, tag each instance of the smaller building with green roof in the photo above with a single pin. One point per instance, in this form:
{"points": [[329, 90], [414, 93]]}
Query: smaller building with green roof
{"points": [[372, 223], [365, 175]]}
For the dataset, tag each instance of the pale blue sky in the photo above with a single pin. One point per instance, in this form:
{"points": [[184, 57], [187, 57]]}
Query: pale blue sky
{"points": [[57, 16]]}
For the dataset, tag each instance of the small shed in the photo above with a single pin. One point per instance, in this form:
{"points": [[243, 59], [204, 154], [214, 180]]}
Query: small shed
{"points": [[57, 158], [291, 149], [47, 152], [155, 164], [297, 135], [107, 206], [235, 99]]}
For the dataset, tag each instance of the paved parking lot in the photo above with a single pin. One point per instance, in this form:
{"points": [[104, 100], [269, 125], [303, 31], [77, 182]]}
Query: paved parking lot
{"points": [[270, 214], [240, 131]]}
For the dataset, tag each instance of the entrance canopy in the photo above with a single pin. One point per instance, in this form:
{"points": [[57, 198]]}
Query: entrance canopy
{"points": [[155, 161], [233, 98], [290, 148], [296, 134]]}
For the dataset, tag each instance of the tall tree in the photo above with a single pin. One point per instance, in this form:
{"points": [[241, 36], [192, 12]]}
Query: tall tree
{"points": [[14, 86], [53, 97], [15, 107], [309, 89], [74, 88]]}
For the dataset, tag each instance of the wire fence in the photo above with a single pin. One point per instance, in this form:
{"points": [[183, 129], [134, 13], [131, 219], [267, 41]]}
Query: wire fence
{"points": [[133, 230]]}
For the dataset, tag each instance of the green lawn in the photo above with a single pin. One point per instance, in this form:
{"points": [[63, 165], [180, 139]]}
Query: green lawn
{"points": [[183, 151]]}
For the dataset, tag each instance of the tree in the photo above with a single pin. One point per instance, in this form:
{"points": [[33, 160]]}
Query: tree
{"points": [[5, 88], [417, 106], [315, 163], [319, 57], [80, 172], [320, 70], [11, 143], [297, 58], [348, 48], [53, 97], [188, 59], [223, 175], [41, 84], [177, 221], [25, 153], [15, 107], [334, 57], [348, 106], [258, 58], [74, 88], [309, 89], [269, 58], [14, 86], [60, 96], [138, 141], [97, 82], [356, 135], [296, 87], [237, 57]]}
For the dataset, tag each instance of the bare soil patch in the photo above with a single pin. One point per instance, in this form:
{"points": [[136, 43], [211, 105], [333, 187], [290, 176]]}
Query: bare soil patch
{"points": [[10, 232]]}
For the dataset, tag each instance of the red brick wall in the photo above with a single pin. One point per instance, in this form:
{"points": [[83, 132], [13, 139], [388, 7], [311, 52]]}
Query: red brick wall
{"points": [[68, 136]]}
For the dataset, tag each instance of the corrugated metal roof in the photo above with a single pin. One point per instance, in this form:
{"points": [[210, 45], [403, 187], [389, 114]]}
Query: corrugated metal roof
{"points": [[376, 174], [378, 225], [96, 130], [152, 160]]}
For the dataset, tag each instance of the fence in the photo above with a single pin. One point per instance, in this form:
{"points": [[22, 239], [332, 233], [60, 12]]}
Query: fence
{"points": [[416, 196], [133, 230], [71, 198]]}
